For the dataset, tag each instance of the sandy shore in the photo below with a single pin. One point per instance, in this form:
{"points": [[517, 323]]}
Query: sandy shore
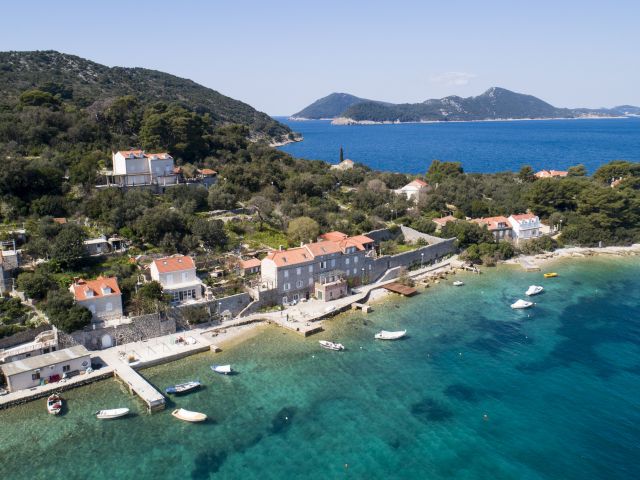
{"points": [[537, 261]]}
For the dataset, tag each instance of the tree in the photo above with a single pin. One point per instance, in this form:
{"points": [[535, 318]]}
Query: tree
{"points": [[149, 298], [577, 171], [303, 229], [68, 247], [64, 314], [526, 174], [210, 232], [438, 171], [263, 206], [341, 154], [35, 284]]}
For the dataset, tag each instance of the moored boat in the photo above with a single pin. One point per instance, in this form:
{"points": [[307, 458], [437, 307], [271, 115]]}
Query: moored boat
{"points": [[458, 283], [112, 413], [386, 335], [534, 290], [222, 369], [550, 275], [521, 304], [54, 404], [188, 415], [183, 387], [331, 345]]}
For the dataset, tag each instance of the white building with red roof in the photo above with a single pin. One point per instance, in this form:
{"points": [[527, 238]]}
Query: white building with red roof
{"points": [[101, 296], [525, 226], [413, 189], [136, 167], [304, 271], [551, 173], [177, 275], [250, 266]]}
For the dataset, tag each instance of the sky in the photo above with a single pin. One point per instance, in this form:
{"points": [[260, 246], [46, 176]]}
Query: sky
{"points": [[279, 56]]}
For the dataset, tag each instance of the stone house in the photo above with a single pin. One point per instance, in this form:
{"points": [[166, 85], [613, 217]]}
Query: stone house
{"points": [[498, 226], [101, 296]]}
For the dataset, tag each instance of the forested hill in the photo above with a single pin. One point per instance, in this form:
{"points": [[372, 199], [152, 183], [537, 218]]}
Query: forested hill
{"points": [[50, 78], [496, 103], [331, 106]]}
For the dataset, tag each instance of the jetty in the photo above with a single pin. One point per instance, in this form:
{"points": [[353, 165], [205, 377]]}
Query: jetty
{"points": [[138, 385], [396, 287]]}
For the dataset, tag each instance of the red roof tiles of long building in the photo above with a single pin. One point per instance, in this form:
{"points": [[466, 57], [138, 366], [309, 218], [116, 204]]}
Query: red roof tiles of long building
{"points": [[97, 287], [174, 264], [493, 223]]}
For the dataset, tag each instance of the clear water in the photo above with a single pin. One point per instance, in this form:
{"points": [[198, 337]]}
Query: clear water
{"points": [[477, 391], [482, 147]]}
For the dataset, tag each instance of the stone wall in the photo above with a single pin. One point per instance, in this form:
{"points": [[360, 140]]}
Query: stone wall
{"points": [[22, 337]]}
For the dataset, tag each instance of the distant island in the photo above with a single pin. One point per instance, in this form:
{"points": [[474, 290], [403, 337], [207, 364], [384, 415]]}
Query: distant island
{"points": [[494, 104]]}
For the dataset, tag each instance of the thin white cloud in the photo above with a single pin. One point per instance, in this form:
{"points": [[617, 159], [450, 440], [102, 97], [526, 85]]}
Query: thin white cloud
{"points": [[453, 78]]}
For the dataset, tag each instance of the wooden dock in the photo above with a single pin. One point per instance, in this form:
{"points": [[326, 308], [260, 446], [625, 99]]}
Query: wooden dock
{"points": [[396, 287], [138, 385]]}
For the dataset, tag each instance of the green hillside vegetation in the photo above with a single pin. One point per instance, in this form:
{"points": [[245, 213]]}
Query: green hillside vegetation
{"points": [[331, 106]]}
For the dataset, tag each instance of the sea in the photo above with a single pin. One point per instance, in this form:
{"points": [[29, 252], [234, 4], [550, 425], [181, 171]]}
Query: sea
{"points": [[481, 147], [475, 391]]}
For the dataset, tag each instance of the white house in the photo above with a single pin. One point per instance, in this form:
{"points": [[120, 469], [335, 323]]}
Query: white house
{"points": [[525, 226], [47, 368], [177, 275], [136, 167], [101, 296], [413, 189]]}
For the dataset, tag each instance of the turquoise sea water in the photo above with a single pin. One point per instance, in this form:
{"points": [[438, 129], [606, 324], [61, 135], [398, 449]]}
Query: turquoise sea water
{"points": [[476, 391], [482, 147]]}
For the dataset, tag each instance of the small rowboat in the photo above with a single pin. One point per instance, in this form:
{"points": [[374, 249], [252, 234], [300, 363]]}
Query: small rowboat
{"points": [[112, 413], [458, 283], [222, 369], [331, 345], [386, 335], [188, 415], [521, 304], [183, 387], [550, 275], [54, 404]]}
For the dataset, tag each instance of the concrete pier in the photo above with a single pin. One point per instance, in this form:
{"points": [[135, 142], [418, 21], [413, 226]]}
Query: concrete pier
{"points": [[139, 386]]}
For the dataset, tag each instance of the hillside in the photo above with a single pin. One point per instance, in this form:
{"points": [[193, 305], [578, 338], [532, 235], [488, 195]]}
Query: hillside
{"points": [[495, 103], [330, 106], [89, 86]]}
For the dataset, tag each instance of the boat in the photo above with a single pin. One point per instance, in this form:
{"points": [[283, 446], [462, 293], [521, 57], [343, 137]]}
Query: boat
{"points": [[550, 275], [54, 404], [386, 335], [188, 415], [183, 387], [521, 304], [223, 369], [111, 413], [534, 290], [458, 283], [330, 345]]}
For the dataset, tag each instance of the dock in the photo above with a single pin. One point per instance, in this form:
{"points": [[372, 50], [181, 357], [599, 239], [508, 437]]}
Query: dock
{"points": [[396, 287], [138, 385]]}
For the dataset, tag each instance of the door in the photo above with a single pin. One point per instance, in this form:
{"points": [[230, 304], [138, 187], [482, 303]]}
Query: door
{"points": [[106, 341]]}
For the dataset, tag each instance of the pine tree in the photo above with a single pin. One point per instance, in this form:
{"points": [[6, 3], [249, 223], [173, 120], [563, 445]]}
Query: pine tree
{"points": [[341, 155]]}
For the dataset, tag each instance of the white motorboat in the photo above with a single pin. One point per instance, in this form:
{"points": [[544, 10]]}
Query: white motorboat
{"points": [[521, 304], [188, 415], [222, 369], [534, 290], [112, 413], [386, 335], [54, 404], [183, 387], [458, 283], [331, 345]]}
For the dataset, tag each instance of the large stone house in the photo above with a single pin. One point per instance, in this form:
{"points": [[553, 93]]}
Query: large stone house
{"points": [[136, 167], [498, 226], [101, 296], [298, 273], [525, 226], [177, 275]]}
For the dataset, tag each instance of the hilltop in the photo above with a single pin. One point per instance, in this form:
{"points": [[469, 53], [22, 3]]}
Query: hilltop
{"points": [[331, 106], [494, 104], [92, 88]]}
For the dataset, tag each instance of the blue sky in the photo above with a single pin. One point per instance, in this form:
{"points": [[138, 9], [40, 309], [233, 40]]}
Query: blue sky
{"points": [[280, 56]]}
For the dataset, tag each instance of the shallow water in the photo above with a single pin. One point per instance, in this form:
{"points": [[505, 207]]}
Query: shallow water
{"points": [[475, 391]]}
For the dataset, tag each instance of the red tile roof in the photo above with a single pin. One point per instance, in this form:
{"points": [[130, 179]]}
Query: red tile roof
{"points": [[524, 216], [292, 256], [250, 263], [493, 223], [174, 264], [416, 183], [308, 252], [442, 221], [60, 220], [334, 236], [207, 171], [81, 288], [551, 173]]}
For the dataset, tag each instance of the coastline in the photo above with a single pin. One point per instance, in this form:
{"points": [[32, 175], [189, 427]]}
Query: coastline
{"points": [[544, 259], [345, 121]]}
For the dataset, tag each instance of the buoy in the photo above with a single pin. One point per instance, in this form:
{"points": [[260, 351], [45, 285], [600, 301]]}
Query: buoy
{"points": [[286, 418], [346, 465]]}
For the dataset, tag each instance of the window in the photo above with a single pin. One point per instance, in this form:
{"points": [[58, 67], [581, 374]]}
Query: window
{"points": [[35, 376], [310, 268], [346, 261], [355, 259], [355, 270], [299, 284], [284, 299], [286, 274], [193, 293], [66, 368], [287, 286], [296, 297], [184, 276], [109, 306], [310, 281], [169, 279], [299, 271], [323, 264], [333, 262], [319, 295]]}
